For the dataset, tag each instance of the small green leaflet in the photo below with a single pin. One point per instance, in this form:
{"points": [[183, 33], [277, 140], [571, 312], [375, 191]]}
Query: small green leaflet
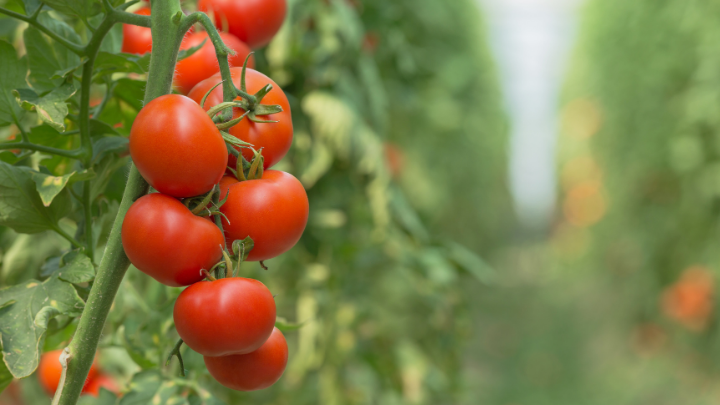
{"points": [[49, 186], [80, 8], [76, 268], [21, 207], [51, 108], [25, 310]]}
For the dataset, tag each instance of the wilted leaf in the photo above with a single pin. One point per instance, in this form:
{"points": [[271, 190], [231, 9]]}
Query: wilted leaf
{"points": [[25, 310], [49, 186], [51, 108]]}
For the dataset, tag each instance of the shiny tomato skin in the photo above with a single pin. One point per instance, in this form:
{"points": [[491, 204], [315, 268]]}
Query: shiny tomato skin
{"points": [[228, 316], [177, 148], [101, 381], [255, 22], [253, 371], [164, 240], [49, 371], [203, 63], [274, 138], [272, 210], [136, 39]]}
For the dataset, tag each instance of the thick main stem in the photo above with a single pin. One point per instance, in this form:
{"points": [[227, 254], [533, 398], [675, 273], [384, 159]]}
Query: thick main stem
{"points": [[166, 42]]}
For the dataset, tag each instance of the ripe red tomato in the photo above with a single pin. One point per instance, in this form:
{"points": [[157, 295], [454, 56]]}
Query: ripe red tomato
{"points": [[50, 370], [177, 148], [272, 210], [227, 316], [137, 40], [253, 371], [274, 138], [255, 22], [203, 63], [166, 241], [101, 381]]}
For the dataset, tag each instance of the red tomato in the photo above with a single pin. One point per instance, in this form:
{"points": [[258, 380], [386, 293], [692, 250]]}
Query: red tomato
{"points": [[50, 370], [101, 381], [164, 240], [275, 138], [137, 40], [203, 63], [255, 22], [227, 316], [177, 148], [272, 210], [253, 371]]}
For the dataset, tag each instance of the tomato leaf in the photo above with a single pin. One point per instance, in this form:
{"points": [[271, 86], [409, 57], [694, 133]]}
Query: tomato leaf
{"points": [[5, 376], [109, 144], [106, 167], [25, 310], [107, 63], [98, 127], [12, 76], [184, 53], [80, 8], [131, 92], [51, 108], [46, 59], [31, 6], [21, 207], [77, 268], [49, 186]]}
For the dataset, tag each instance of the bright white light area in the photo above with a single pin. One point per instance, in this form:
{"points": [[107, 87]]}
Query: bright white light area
{"points": [[531, 40]]}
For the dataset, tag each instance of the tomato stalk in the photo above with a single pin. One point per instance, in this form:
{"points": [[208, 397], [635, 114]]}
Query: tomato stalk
{"points": [[167, 36]]}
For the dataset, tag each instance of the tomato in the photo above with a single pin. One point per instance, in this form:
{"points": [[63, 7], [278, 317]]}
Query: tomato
{"points": [[272, 210], [166, 241], [227, 316], [253, 371], [255, 22], [274, 138], [50, 370], [101, 381], [176, 147], [136, 39], [203, 63]]}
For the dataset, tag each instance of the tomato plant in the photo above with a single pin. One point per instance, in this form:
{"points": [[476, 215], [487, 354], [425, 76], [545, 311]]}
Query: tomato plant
{"points": [[275, 138], [176, 147], [162, 238], [253, 371], [255, 22], [274, 211], [203, 64], [243, 319]]}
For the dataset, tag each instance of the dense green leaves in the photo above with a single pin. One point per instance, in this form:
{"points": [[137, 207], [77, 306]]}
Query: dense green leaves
{"points": [[25, 310], [21, 207], [12, 76], [80, 8], [48, 59]]}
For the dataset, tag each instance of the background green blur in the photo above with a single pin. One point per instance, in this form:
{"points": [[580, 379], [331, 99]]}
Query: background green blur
{"points": [[414, 282]]}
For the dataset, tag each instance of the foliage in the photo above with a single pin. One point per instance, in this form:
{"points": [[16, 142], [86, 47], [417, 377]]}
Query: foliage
{"points": [[372, 292]]}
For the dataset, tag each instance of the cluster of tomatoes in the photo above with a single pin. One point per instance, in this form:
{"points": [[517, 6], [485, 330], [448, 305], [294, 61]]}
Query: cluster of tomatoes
{"points": [[50, 372], [201, 173]]}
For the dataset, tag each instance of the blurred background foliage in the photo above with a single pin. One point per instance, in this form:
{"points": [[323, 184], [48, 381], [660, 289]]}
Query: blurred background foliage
{"points": [[400, 142]]}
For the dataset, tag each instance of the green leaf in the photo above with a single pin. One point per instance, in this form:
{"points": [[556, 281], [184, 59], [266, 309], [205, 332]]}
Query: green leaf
{"points": [[185, 53], [49, 59], [109, 144], [130, 91], [77, 268], [105, 169], [113, 40], [98, 127], [107, 63], [51, 108], [25, 310], [286, 326], [21, 207], [80, 8], [143, 387], [31, 6], [49, 136], [49, 186], [12, 76]]}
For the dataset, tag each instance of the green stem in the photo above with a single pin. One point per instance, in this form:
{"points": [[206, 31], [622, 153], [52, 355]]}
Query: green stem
{"points": [[87, 208], [65, 235], [73, 47], [74, 154], [166, 38]]}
